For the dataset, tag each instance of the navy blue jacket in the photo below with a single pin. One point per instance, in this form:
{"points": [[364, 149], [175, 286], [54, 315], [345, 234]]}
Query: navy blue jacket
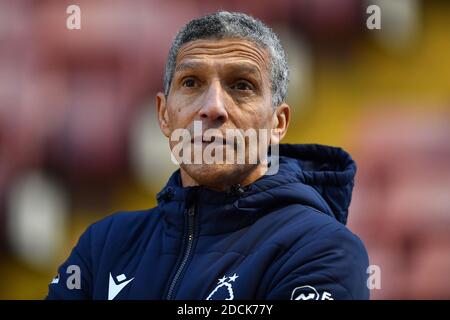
{"points": [[282, 237]]}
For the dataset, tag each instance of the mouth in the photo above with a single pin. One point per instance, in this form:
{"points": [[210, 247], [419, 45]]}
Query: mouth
{"points": [[204, 141]]}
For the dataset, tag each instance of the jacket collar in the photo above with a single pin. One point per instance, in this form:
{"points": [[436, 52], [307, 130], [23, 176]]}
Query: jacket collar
{"points": [[314, 175]]}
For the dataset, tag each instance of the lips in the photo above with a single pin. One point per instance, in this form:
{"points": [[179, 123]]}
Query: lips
{"points": [[212, 139]]}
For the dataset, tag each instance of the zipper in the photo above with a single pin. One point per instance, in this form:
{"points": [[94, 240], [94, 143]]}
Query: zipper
{"points": [[187, 251]]}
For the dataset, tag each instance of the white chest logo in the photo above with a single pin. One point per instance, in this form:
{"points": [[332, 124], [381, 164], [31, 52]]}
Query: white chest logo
{"points": [[309, 293], [224, 289], [115, 288]]}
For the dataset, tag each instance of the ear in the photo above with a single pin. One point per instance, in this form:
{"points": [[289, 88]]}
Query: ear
{"points": [[161, 110], [281, 118]]}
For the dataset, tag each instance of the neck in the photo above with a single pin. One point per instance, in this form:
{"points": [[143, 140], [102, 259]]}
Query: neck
{"points": [[252, 176]]}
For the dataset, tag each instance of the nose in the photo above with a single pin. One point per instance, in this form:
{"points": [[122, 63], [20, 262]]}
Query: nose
{"points": [[213, 108]]}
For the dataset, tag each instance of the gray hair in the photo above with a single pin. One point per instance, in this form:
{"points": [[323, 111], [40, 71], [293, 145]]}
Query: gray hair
{"points": [[225, 24]]}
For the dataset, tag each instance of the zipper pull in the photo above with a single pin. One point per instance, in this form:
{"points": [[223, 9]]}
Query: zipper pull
{"points": [[191, 211]]}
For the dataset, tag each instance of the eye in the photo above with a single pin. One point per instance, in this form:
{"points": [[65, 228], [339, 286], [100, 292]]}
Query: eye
{"points": [[189, 82], [242, 85]]}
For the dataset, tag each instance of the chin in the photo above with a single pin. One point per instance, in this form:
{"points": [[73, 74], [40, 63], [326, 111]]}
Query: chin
{"points": [[218, 176]]}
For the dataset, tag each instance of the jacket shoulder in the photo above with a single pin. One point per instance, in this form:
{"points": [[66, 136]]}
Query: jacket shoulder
{"points": [[297, 225], [121, 224], [323, 254]]}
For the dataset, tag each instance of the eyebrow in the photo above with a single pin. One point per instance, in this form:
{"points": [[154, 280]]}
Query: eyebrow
{"points": [[245, 68], [239, 67], [188, 66]]}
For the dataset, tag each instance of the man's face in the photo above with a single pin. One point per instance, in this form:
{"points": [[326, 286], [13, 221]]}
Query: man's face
{"points": [[225, 84]]}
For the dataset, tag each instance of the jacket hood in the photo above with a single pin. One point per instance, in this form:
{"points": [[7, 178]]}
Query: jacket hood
{"points": [[317, 176]]}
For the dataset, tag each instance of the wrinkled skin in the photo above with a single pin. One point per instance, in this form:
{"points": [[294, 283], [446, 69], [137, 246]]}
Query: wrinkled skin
{"points": [[225, 84]]}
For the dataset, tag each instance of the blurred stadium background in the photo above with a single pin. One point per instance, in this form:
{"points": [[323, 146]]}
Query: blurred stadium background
{"points": [[79, 139]]}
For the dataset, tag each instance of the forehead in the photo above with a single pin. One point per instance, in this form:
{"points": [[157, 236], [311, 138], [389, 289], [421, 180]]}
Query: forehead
{"points": [[224, 51]]}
